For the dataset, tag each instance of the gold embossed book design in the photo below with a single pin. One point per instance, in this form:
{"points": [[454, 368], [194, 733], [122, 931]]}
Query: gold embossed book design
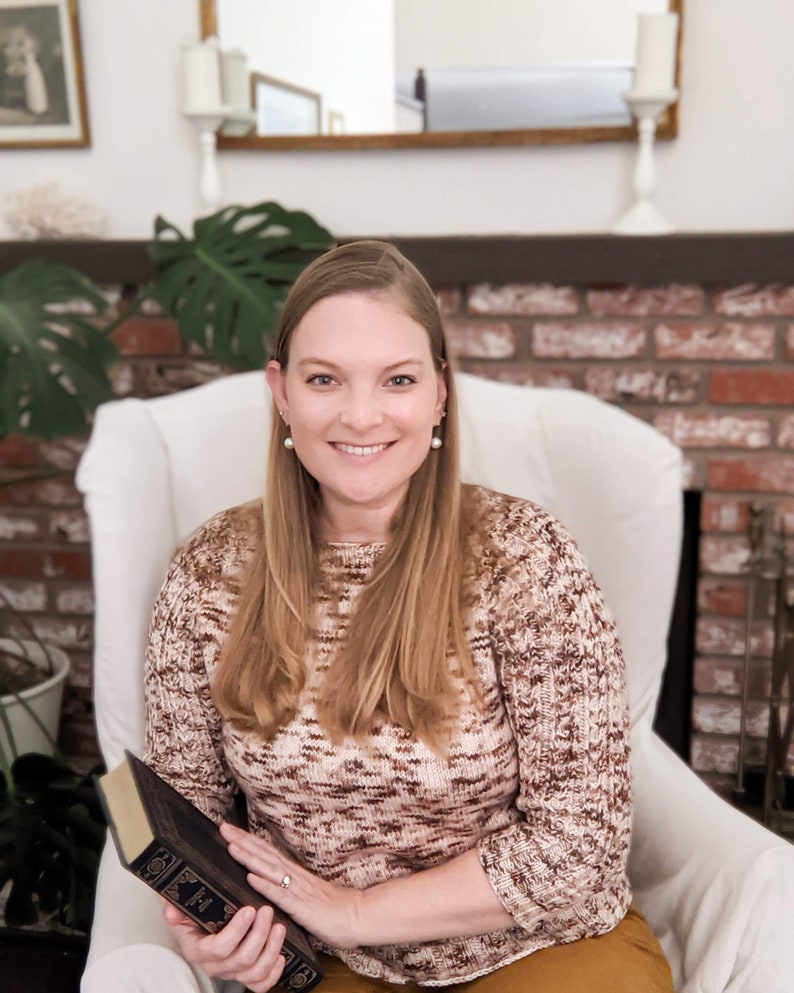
{"points": [[178, 851]]}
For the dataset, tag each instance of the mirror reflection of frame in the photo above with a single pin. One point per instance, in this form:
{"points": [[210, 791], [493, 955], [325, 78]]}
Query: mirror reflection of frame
{"points": [[413, 127]]}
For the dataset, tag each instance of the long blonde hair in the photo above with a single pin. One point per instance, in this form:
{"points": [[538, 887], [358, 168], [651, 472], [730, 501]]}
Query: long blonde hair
{"points": [[410, 617]]}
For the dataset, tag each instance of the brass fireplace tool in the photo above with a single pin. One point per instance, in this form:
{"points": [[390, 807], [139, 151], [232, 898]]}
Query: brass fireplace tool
{"points": [[774, 782]]}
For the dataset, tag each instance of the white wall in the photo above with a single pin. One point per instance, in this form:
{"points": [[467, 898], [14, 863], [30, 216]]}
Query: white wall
{"points": [[730, 169]]}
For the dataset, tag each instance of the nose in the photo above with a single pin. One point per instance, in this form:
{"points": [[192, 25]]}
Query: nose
{"points": [[361, 411]]}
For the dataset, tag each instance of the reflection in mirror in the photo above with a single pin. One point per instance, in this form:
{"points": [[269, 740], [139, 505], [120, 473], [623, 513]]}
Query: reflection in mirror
{"points": [[408, 73]]}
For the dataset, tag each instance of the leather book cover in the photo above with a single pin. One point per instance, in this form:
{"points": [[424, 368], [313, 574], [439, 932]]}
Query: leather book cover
{"points": [[178, 851]]}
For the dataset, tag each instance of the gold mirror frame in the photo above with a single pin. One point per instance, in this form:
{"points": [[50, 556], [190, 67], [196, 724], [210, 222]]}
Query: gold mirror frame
{"points": [[667, 127]]}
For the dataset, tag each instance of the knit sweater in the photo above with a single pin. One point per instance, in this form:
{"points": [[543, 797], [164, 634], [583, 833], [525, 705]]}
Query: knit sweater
{"points": [[536, 777]]}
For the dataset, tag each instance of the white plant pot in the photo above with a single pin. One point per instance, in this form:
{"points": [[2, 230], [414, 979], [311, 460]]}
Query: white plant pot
{"points": [[44, 700]]}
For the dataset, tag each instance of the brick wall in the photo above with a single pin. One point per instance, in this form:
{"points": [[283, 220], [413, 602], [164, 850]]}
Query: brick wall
{"points": [[712, 368]]}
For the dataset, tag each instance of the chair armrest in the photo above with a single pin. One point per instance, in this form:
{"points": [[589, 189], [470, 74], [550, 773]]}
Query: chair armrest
{"points": [[717, 887]]}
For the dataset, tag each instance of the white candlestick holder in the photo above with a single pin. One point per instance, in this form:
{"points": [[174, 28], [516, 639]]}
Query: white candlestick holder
{"points": [[644, 217], [207, 123]]}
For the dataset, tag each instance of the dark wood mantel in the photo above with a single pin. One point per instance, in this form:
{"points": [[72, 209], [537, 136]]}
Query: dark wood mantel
{"points": [[448, 261]]}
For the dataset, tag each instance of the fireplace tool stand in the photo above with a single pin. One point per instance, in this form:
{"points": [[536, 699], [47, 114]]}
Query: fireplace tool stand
{"points": [[769, 789]]}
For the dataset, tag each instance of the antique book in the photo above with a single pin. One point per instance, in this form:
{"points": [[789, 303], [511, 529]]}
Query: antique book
{"points": [[178, 851]]}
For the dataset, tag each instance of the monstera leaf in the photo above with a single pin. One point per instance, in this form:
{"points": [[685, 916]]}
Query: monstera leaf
{"points": [[53, 359], [226, 286]]}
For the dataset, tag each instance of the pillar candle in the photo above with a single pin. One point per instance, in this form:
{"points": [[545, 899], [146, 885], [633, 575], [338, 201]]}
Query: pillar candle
{"points": [[201, 76], [234, 77], [657, 38]]}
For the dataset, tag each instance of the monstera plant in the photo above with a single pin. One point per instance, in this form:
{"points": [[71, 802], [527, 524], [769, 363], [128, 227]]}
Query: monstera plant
{"points": [[224, 286]]}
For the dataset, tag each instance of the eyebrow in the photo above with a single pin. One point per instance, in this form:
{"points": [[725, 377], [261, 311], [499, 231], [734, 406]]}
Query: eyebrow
{"points": [[326, 363]]}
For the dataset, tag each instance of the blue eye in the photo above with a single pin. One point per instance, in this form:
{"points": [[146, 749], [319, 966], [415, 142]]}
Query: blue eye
{"points": [[321, 380]]}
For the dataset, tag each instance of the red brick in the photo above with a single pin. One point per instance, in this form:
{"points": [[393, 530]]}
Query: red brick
{"points": [[80, 679], [148, 336], [639, 384], [727, 636], [588, 340], [23, 596], [159, 378], [638, 301], [63, 454], [751, 300], [122, 379], [17, 451], [693, 472], [523, 374], [54, 492], [16, 526], [64, 633], [790, 342], [724, 555], [716, 596], [32, 564], [690, 430], [720, 752], [715, 341], [724, 514], [449, 301], [524, 299], [71, 526], [732, 514], [481, 340], [785, 432], [725, 676], [752, 386], [75, 599], [762, 473], [722, 715]]}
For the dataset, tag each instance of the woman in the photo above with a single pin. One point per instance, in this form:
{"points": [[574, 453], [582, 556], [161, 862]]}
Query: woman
{"points": [[415, 684]]}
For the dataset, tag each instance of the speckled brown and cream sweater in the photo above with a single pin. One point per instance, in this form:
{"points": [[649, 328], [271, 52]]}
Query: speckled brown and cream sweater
{"points": [[537, 777]]}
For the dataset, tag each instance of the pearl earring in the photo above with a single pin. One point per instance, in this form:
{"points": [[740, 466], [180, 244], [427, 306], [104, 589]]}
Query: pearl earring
{"points": [[435, 441], [289, 443]]}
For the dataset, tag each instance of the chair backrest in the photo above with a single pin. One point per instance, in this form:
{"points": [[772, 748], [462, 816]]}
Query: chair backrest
{"points": [[156, 469]]}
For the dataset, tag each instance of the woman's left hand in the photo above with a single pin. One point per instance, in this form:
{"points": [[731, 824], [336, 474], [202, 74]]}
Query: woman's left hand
{"points": [[329, 911]]}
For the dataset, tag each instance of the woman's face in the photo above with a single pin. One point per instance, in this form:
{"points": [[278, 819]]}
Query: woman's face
{"points": [[361, 396]]}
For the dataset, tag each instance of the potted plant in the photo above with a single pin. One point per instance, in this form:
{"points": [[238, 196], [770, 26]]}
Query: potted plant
{"points": [[224, 286]]}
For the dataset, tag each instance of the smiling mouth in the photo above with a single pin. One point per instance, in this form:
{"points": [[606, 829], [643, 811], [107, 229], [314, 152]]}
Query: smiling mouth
{"points": [[360, 449]]}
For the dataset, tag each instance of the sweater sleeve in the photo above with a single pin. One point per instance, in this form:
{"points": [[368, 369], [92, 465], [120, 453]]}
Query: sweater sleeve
{"points": [[562, 867], [183, 728]]}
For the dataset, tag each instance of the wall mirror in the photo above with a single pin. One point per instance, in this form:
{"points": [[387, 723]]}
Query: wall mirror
{"points": [[446, 73]]}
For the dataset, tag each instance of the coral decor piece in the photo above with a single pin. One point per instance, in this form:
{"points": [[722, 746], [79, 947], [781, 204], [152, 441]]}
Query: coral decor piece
{"points": [[46, 212]]}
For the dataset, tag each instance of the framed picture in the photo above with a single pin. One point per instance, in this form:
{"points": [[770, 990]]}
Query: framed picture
{"points": [[283, 108], [336, 122], [42, 91]]}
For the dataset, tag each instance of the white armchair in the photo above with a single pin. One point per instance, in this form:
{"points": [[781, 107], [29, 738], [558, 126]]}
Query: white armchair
{"points": [[717, 888]]}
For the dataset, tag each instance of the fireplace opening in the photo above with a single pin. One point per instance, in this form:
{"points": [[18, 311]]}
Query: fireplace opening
{"points": [[673, 721]]}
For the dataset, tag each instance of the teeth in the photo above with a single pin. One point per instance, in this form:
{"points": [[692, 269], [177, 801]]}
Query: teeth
{"points": [[359, 450]]}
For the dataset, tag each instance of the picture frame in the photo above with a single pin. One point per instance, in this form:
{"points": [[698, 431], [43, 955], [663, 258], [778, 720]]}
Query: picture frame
{"points": [[282, 108], [336, 122], [42, 85]]}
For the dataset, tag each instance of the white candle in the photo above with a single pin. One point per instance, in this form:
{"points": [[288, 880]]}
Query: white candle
{"points": [[234, 77], [201, 76], [657, 38]]}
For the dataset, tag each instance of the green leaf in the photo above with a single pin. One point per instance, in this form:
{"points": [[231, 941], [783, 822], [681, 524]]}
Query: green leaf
{"points": [[53, 361], [226, 286]]}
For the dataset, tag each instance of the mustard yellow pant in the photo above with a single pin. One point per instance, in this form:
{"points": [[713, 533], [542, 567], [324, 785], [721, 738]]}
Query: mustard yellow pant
{"points": [[626, 960]]}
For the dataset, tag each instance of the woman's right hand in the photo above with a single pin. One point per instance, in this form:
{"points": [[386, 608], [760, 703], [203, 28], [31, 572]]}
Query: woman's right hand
{"points": [[247, 949]]}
